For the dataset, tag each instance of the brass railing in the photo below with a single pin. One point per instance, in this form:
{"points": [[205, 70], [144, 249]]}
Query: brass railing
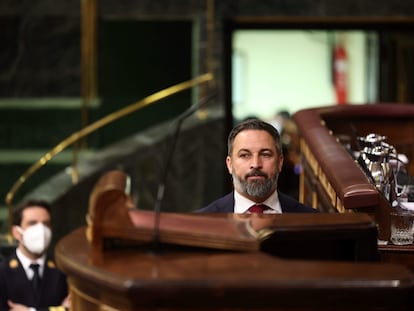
{"points": [[77, 136]]}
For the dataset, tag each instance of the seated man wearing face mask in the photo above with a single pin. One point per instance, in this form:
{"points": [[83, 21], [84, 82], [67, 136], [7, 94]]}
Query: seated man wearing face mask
{"points": [[29, 279]]}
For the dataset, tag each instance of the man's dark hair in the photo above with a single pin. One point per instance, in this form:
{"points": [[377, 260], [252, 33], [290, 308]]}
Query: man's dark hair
{"points": [[18, 212], [254, 124]]}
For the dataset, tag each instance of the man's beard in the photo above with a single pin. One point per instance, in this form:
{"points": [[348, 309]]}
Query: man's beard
{"points": [[255, 188]]}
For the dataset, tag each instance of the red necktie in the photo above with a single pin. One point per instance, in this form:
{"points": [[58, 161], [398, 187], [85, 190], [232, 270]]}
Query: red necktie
{"points": [[259, 208]]}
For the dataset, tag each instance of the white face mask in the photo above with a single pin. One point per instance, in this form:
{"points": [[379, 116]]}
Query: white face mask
{"points": [[36, 238]]}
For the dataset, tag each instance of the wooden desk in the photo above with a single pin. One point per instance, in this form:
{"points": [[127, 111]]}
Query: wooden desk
{"points": [[332, 181], [397, 254], [224, 262], [316, 236], [182, 278]]}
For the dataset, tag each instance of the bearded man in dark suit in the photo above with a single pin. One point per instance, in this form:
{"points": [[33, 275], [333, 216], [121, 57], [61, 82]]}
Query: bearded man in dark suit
{"points": [[254, 160]]}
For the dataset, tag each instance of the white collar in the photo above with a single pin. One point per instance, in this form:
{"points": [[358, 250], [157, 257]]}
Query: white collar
{"points": [[27, 261], [242, 204]]}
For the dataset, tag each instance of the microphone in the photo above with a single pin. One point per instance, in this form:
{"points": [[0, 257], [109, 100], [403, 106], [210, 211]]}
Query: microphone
{"points": [[161, 186]]}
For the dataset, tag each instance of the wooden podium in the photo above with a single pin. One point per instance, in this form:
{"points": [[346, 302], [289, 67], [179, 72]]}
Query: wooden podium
{"points": [[224, 262]]}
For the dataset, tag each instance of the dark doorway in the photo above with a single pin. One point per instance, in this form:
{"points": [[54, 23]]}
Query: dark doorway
{"points": [[137, 59]]}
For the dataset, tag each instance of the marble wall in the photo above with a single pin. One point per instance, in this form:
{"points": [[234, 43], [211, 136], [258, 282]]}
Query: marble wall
{"points": [[40, 50]]}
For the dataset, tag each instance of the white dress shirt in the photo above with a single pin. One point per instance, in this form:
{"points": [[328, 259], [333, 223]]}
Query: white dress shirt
{"points": [[26, 264], [242, 204]]}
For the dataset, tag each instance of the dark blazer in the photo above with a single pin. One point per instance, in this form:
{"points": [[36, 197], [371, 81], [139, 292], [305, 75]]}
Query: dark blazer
{"points": [[226, 205], [15, 286]]}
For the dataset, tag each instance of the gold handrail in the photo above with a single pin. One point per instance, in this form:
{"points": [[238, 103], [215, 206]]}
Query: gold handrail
{"points": [[75, 137]]}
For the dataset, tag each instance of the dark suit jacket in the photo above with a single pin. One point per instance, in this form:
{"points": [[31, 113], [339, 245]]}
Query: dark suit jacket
{"points": [[15, 286], [226, 205]]}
